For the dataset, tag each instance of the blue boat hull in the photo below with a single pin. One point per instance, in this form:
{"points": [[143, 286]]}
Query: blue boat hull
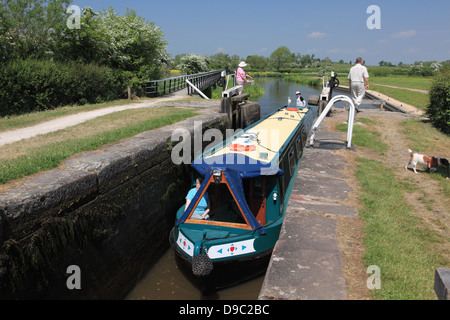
{"points": [[225, 273], [247, 183]]}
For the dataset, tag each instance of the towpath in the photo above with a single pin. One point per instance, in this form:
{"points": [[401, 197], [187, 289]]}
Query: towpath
{"points": [[7, 137], [397, 87], [397, 103], [307, 262], [319, 255]]}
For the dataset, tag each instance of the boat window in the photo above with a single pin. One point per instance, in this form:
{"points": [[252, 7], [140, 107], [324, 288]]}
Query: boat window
{"points": [[255, 195], [304, 134], [299, 146], [224, 211], [282, 189], [291, 162], [222, 204], [283, 180]]}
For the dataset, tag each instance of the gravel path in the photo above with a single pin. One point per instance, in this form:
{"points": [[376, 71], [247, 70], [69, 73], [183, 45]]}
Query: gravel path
{"points": [[8, 137]]}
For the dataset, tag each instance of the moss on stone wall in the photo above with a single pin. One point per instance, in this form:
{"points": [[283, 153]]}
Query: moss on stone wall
{"points": [[114, 232]]}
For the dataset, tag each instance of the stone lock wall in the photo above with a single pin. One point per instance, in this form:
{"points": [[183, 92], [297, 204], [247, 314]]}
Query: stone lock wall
{"points": [[109, 212]]}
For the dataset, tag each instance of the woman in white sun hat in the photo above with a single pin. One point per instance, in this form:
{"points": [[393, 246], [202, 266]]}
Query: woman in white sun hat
{"points": [[241, 76]]}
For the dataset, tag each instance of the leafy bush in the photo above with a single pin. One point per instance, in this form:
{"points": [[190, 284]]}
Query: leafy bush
{"points": [[192, 64], [31, 85], [439, 108]]}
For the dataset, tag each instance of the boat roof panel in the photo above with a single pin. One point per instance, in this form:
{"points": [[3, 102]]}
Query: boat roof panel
{"points": [[255, 151]]}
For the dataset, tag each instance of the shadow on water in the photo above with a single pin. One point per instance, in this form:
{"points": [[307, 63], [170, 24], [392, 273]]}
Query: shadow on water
{"points": [[166, 282]]}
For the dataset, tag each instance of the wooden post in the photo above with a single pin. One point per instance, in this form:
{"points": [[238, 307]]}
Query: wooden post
{"points": [[251, 112]]}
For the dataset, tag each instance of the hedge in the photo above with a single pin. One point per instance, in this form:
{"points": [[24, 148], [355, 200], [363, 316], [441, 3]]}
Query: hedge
{"points": [[31, 85], [439, 109]]}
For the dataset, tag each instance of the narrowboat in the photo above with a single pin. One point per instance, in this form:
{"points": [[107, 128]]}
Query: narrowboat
{"points": [[246, 183]]}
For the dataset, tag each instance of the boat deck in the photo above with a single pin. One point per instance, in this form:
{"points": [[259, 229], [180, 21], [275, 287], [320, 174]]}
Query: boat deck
{"points": [[263, 141]]}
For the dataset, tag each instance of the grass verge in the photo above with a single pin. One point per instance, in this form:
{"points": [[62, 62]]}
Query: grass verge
{"points": [[417, 99], [365, 137], [254, 90], [422, 83], [111, 128], [422, 137], [32, 118], [395, 239]]}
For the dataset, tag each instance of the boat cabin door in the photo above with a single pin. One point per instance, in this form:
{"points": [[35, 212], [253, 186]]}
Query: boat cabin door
{"points": [[255, 190]]}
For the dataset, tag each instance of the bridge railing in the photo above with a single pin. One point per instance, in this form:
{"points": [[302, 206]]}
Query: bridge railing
{"points": [[156, 88]]}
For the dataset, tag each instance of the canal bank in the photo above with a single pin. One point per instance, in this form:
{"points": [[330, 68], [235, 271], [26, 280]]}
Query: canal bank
{"points": [[307, 262], [91, 228]]}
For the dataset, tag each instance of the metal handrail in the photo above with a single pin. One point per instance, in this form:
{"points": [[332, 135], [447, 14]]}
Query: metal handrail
{"points": [[155, 88]]}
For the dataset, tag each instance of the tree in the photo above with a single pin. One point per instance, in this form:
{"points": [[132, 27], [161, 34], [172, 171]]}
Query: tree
{"points": [[306, 60], [259, 63], [439, 108], [25, 26], [220, 61], [89, 44], [127, 43], [192, 63], [175, 62], [327, 61], [136, 45], [281, 58]]}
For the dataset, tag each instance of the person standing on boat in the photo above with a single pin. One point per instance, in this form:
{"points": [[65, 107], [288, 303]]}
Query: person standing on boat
{"points": [[202, 209], [300, 101], [357, 77], [241, 76]]}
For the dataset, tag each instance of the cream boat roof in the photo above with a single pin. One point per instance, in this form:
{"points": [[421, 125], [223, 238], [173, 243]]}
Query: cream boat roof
{"points": [[265, 139]]}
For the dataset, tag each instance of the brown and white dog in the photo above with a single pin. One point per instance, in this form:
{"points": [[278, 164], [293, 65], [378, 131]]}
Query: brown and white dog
{"points": [[431, 163]]}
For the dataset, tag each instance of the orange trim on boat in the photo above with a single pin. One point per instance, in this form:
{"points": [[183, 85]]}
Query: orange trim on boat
{"points": [[241, 147]]}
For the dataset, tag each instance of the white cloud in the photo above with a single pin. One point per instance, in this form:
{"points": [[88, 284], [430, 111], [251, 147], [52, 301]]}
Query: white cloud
{"points": [[404, 34], [220, 50], [317, 34]]}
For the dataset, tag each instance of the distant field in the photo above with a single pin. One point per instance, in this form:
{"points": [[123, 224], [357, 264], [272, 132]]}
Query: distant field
{"points": [[422, 83]]}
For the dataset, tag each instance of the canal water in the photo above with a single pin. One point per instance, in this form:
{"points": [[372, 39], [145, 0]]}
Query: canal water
{"points": [[277, 93], [164, 281]]}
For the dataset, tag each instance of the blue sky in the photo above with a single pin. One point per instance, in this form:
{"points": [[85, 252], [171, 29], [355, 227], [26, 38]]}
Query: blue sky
{"points": [[410, 30]]}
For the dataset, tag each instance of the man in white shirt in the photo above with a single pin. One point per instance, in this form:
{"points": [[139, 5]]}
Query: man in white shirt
{"points": [[300, 101], [357, 76]]}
